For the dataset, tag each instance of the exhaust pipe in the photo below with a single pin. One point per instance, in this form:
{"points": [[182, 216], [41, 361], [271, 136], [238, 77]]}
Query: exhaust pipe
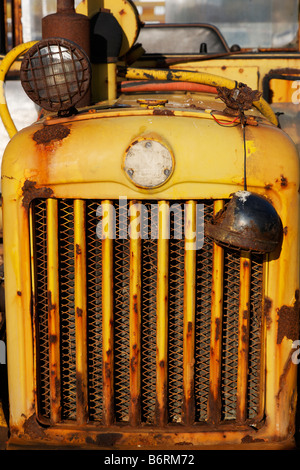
{"points": [[67, 24]]}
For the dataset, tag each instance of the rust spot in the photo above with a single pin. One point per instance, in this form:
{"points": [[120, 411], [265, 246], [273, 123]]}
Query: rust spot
{"points": [[80, 387], [189, 409], [214, 406], [218, 328], [288, 321], [163, 112], [32, 427], [53, 339], [250, 440], [107, 370], [78, 249], [51, 306], [189, 328], [50, 133], [283, 376], [30, 192], [135, 308], [162, 364], [285, 230], [283, 181], [245, 334], [79, 312], [267, 311], [223, 67], [237, 99], [105, 439], [268, 186], [246, 313], [161, 408], [135, 304], [246, 264], [133, 363], [122, 12], [19, 293]]}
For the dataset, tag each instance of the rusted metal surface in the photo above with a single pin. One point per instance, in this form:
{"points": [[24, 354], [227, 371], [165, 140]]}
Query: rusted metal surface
{"points": [[80, 311], [155, 439], [108, 316], [288, 321], [214, 403], [58, 88], [68, 24], [131, 403], [189, 316], [99, 433], [30, 192], [17, 22], [189, 397], [135, 316], [238, 99], [286, 73], [53, 310], [65, 5], [48, 134], [248, 222]]}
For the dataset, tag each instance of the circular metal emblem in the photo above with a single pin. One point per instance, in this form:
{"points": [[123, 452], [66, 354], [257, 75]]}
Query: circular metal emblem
{"points": [[55, 74], [148, 163]]}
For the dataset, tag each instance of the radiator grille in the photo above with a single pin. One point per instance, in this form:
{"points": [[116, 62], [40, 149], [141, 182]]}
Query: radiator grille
{"points": [[69, 396]]}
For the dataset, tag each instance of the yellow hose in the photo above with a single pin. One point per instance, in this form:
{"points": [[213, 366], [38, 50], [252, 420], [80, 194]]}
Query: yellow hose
{"points": [[197, 77], [5, 65]]}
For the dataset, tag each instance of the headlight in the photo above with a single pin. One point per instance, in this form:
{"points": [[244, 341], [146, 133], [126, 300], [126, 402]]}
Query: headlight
{"points": [[148, 163], [55, 74], [249, 222]]}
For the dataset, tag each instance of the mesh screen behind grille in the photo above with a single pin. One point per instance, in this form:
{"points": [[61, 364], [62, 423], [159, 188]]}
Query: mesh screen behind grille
{"points": [[121, 263]]}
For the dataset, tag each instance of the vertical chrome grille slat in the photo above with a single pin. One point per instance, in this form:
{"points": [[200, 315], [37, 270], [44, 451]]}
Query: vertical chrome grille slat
{"points": [[153, 393], [135, 314], [107, 313], [53, 309], [214, 403], [162, 314], [80, 311], [189, 314]]}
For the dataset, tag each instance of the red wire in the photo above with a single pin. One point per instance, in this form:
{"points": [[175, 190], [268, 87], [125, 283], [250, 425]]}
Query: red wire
{"points": [[224, 123]]}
